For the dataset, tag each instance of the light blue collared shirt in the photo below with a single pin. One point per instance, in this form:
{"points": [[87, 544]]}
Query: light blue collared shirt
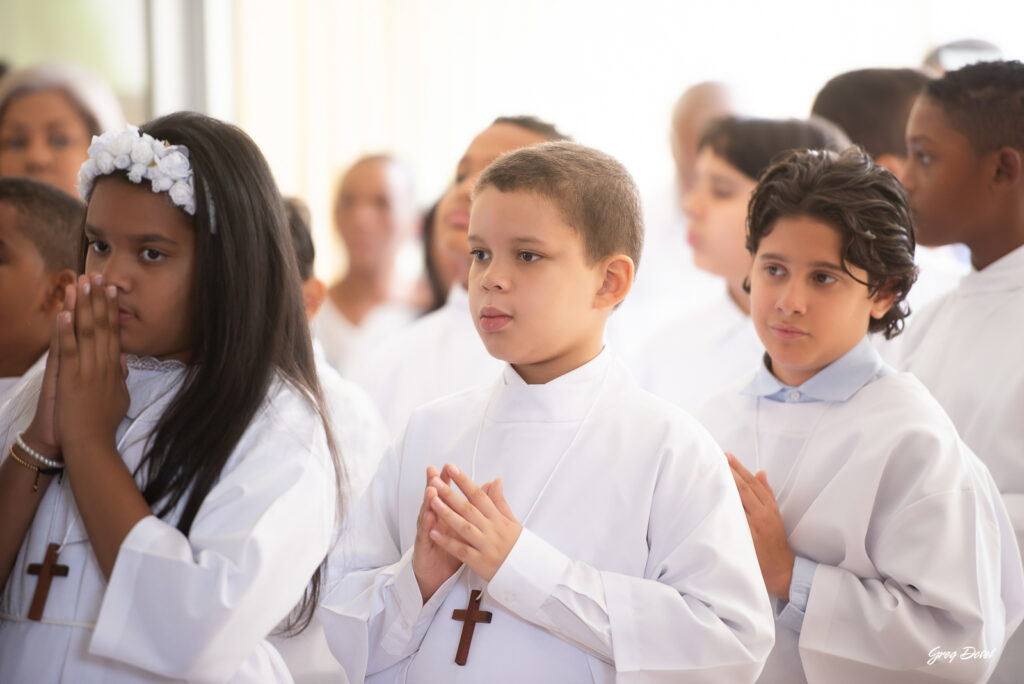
{"points": [[837, 381]]}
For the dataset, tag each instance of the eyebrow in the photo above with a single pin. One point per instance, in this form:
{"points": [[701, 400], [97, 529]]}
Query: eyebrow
{"points": [[145, 237], [814, 264], [919, 137]]}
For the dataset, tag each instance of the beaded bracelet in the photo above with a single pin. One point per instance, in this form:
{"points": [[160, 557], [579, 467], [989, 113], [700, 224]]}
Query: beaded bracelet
{"points": [[36, 469], [35, 454]]}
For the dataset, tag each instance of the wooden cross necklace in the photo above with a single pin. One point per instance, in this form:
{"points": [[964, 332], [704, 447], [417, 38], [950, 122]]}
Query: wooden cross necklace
{"points": [[49, 568], [472, 613]]}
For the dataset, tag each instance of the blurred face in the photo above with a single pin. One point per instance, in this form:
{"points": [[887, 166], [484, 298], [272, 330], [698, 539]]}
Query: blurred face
{"points": [[807, 311], [944, 178], [531, 290], [145, 246], [453, 221], [717, 214], [27, 302], [43, 137], [373, 213]]}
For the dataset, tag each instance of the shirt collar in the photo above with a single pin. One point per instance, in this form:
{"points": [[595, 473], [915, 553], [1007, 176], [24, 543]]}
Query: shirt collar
{"points": [[837, 381]]}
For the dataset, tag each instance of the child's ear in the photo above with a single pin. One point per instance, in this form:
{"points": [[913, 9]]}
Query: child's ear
{"points": [[1008, 166], [57, 283], [882, 302], [314, 291], [618, 280]]}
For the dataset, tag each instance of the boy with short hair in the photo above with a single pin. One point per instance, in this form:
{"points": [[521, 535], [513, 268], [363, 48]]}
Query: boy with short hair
{"points": [[965, 180], [879, 534], [607, 541], [39, 227]]}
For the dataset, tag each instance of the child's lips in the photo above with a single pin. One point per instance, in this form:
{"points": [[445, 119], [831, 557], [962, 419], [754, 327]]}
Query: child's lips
{"points": [[125, 315], [788, 332], [458, 219], [492, 319]]}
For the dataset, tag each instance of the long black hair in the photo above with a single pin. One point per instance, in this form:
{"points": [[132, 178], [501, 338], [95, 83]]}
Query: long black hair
{"points": [[248, 324]]}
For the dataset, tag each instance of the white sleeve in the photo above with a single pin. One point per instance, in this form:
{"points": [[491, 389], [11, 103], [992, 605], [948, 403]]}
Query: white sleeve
{"points": [[196, 607], [373, 614], [702, 579], [939, 561]]}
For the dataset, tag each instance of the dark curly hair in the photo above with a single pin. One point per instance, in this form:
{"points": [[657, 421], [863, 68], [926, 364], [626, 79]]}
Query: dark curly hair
{"points": [[860, 199], [985, 102]]}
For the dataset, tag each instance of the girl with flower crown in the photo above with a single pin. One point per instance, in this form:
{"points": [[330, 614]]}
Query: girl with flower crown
{"points": [[171, 488]]}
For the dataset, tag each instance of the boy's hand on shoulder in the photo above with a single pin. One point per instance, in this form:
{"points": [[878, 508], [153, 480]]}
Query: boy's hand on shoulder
{"points": [[481, 527], [768, 531], [431, 564]]}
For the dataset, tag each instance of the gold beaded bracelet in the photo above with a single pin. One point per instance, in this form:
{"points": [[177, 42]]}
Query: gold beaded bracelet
{"points": [[36, 469]]}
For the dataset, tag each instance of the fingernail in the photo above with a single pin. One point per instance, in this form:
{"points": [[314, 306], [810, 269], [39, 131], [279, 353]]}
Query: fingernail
{"points": [[97, 278], [437, 484], [86, 287], [434, 534], [454, 469], [111, 291], [66, 316]]}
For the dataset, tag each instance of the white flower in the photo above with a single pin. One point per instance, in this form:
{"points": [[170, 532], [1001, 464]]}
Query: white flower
{"points": [[142, 153], [123, 143], [166, 166], [174, 164], [137, 172], [105, 162], [161, 183], [181, 194]]}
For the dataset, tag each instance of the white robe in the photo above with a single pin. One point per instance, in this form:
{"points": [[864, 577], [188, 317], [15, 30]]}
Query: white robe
{"points": [[362, 439], [668, 284], [699, 355], [347, 345], [12, 388], [914, 546], [634, 563], [439, 354], [966, 349], [197, 607]]}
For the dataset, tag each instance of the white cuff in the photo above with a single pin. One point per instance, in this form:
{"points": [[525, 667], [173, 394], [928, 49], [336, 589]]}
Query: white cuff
{"points": [[528, 576]]}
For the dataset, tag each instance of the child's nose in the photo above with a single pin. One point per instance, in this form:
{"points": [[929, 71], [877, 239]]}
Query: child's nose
{"points": [[493, 278], [792, 299]]}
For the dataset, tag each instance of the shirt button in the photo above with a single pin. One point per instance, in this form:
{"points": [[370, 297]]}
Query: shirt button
{"points": [[794, 395]]}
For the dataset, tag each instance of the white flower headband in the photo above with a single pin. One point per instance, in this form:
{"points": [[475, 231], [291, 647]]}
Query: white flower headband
{"points": [[166, 166]]}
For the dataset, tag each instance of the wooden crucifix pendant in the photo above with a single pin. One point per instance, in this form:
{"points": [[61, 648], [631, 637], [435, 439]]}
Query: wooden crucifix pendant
{"points": [[469, 617], [47, 570]]}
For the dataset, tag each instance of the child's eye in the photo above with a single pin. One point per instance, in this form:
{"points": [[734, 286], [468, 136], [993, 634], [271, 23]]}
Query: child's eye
{"points": [[13, 143], [59, 141], [98, 247], [152, 255], [773, 270], [479, 254], [824, 278], [529, 257]]}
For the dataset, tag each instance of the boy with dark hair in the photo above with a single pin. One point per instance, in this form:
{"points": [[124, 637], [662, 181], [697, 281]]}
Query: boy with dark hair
{"points": [[607, 542], [872, 106], [39, 227], [880, 536], [965, 180]]}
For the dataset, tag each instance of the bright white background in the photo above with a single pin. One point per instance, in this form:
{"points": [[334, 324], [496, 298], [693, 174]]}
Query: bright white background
{"points": [[318, 83]]}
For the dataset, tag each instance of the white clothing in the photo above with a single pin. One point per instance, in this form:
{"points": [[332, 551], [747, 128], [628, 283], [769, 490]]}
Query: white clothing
{"points": [[966, 349], [362, 438], [634, 563], [10, 388], [698, 355], [439, 354], [914, 548], [346, 344], [176, 607], [667, 284]]}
